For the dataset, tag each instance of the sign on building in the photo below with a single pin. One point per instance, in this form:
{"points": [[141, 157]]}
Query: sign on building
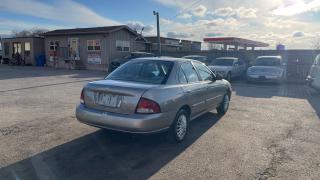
{"points": [[94, 57]]}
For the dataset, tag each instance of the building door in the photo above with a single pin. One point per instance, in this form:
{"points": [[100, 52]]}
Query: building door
{"points": [[74, 49], [17, 48]]}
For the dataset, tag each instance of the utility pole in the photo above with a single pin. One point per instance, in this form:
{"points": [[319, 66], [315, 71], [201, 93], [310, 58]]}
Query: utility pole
{"points": [[158, 32]]}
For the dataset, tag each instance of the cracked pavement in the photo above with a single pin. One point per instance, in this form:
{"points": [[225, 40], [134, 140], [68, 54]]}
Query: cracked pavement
{"points": [[270, 132]]}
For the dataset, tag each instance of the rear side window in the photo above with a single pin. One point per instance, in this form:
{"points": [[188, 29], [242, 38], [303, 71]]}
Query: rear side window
{"points": [[190, 72], [154, 72], [203, 71], [317, 61], [181, 77]]}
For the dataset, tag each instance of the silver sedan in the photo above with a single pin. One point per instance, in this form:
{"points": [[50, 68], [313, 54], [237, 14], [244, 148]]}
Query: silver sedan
{"points": [[148, 95]]}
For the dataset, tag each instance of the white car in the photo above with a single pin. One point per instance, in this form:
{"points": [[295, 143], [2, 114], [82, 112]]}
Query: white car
{"points": [[202, 59], [228, 67], [314, 74], [267, 69]]}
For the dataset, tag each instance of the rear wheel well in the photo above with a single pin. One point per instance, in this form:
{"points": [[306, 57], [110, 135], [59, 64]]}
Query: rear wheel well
{"points": [[229, 93], [187, 108]]}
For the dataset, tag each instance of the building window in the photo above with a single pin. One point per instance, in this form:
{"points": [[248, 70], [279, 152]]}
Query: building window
{"points": [[27, 48], [93, 45], [53, 45], [123, 46], [6, 48]]}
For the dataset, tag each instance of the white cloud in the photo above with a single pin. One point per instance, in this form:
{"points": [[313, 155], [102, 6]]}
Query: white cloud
{"points": [[185, 16], [179, 35], [241, 12], [224, 12], [296, 34], [255, 20], [297, 7], [8, 25], [164, 21], [69, 11], [247, 12], [199, 11]]}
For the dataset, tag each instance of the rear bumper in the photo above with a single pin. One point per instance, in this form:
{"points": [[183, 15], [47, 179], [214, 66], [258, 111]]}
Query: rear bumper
{"points": [[309, 80], [134, 123], [257, 78]]}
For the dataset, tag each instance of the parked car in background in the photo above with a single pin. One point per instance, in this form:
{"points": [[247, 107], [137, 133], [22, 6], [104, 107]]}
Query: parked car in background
{"points": [[150, 95], [267, 68], [228, 67], [203, 59], [117, 62], [314, 74]]}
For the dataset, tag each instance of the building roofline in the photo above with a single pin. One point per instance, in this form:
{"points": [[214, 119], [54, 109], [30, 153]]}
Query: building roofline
{"points": [[234, 41], [173, 39], [93, 30], [22, 37]]}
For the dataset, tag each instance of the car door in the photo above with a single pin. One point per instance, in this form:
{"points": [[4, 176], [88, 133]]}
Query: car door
{"points": [[235, 68], [315, 72], [195, 89], [242, 67], [315, 69], [214, 90]]}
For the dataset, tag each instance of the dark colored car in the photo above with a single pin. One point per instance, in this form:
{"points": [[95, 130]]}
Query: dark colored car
{"points": [[116, 63]]}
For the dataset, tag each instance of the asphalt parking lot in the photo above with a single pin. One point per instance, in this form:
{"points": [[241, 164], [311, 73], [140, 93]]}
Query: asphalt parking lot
{"points": [[270, 132]]}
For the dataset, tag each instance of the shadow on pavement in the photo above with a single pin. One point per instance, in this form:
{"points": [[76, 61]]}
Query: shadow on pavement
{"points": [[13, 72], [107, 155], [269, 90]]}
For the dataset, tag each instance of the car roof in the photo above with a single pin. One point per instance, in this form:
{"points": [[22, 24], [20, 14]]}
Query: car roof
{"points": [[278, 57], [194, 56], [141, 53], [165, 58], [227, 58]]}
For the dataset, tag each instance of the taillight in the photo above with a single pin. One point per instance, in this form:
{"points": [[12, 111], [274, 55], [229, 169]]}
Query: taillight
{"points": [[147, 106], [82, 97]]}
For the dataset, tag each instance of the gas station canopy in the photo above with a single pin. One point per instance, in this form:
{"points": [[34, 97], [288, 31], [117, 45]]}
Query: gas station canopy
{"points": [[236, 42]]}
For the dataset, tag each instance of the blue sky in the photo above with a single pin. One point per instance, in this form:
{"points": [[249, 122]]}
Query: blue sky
{"points": [[295, 23]]}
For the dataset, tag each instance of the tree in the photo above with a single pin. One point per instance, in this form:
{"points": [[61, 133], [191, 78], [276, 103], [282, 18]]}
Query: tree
{"points": [[29, 33]]}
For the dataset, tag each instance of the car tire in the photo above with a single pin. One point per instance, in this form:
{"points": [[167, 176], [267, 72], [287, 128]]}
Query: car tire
{"points": [[224, 106], [229, 76], [180, 126]]}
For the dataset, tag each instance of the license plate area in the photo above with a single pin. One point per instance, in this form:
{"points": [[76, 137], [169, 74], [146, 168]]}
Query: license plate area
{"points": [[108, 100], [262, 77]]}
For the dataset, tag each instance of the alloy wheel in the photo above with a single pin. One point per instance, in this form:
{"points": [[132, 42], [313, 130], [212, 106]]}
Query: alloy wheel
{"points": [[181, 127]]}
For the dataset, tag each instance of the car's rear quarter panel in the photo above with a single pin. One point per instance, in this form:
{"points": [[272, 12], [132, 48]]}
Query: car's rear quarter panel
{"points": [[170, 98]]}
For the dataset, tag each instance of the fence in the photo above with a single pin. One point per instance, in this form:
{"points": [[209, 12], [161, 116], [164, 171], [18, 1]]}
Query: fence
{"points": [[298, 61]]}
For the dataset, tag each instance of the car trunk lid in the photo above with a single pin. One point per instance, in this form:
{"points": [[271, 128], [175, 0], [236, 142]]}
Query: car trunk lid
{"points": [[114, 96]]}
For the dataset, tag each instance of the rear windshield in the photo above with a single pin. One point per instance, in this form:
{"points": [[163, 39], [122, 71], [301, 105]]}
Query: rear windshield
{"points": [[267, 61], [153, 72], [198, 58], [223, 62], [138, 55]]}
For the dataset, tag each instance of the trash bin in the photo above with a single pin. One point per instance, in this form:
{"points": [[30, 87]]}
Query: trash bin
{"points": [[40, 60]]}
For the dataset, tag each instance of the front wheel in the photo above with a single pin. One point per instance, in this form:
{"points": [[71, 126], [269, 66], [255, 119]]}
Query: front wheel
{"points": [[229, 77], [180, 126], [224, 106]]}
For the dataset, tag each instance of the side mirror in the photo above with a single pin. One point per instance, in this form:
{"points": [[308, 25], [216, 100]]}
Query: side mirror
{"points": [[218, 76]]}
